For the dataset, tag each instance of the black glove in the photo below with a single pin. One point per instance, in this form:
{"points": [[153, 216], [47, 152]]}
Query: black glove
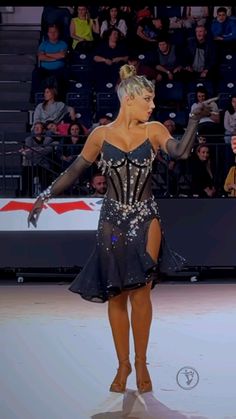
{"points": [[64, 181], [180, 149]]}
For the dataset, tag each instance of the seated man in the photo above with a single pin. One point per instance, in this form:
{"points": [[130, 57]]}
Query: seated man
{"points": [[200, 55], [51, 64], [99, 185], [36, 161]]}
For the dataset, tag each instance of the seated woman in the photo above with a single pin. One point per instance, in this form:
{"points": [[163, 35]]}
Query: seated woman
{"points": [[52, 110], [82, 30], [113, 20], [230, 181], [230, 130], [109, 56], [202, 184], [71, 144]]}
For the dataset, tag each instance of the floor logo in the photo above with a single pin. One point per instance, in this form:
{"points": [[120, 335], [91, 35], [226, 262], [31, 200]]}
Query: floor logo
{"points": [[187, 378]]}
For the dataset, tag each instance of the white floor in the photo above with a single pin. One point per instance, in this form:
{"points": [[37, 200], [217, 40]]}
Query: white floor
{"points": [[57, 358]]}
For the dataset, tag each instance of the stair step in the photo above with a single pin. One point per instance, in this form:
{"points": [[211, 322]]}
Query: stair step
{"points": [[13, 127], [8, 68], [13, 34], [31, 48], [13, 117], [5, 76], [16, 97], [22, 105], [15, 87], [16, 59]]}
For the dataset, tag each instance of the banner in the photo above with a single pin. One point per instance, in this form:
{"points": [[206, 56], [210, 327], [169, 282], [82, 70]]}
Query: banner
{"points": [[77, 214]]}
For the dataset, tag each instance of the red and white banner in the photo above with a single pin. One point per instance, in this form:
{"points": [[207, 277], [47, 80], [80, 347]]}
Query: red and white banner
{"points": [[57, 215]]}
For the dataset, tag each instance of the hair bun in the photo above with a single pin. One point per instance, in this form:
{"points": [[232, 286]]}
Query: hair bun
{"points": [[127, 71]]}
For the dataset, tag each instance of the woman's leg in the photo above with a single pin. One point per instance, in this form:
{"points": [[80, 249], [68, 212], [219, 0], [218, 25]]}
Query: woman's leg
{"points": [[119, 321], [141, 314]]}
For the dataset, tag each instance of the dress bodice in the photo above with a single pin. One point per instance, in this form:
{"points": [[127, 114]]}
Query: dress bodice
{"points": [[128, 173]]}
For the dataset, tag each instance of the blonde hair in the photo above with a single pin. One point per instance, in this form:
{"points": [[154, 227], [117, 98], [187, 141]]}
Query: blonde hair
{"points": [[131, 84]]}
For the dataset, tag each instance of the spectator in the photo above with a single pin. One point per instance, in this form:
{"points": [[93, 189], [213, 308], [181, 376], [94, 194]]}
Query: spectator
{"points": [[196, 15], [230, 182], [36, 154], [99, 185], [72, 145], [230, 120], [113, 20], [202, 183], [208, 126], [148, 32], [59, 16], [51, 129], [201, 57], [168, 59], [82, 30], [51, 68], [230, 130], [223, 29], [142, 69], [173, 128], [109, 56], [102, 120], [52, 110], [173, 13]]}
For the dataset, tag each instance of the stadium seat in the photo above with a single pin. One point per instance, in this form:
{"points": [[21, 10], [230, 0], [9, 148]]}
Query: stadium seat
{"points": [[107, 103], [171, 91], [80, 72], [192, 86], [80, 86], [80, 100], [39, 98], [179, 117], [227, 86]]}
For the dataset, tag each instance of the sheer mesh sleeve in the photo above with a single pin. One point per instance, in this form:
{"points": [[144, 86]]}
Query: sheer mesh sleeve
{"points": [[181, 149], [67, 178]]}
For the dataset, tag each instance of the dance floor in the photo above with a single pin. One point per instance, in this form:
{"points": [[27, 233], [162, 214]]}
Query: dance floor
{"points": [[57, 358]]}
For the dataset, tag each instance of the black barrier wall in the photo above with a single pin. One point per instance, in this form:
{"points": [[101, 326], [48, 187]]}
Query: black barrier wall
{"points": [[202, 230]]}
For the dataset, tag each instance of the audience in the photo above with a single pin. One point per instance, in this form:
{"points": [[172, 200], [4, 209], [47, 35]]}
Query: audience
{"points": [[52, 110], [37, 148], [113, 20], [202, 183], [51, 69], [181, 42], [109, 56], [230, 182], [82, 30], [99, 185], [201, 56]]}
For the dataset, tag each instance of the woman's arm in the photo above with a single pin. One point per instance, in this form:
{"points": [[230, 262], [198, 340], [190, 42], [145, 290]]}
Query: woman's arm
{"points": [[180, 149], [88, 155]]}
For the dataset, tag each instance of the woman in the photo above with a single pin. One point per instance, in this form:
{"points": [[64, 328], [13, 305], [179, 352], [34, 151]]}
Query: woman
{"points": [[52, 110], [230, 129], [202, 177], [129, 233], [109, 56], [71, 145], [113, 21], [82, 28]]}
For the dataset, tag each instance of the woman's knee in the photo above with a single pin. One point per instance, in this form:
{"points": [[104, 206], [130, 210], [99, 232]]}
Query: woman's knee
{"points": [[119, 301], [141, 296]]}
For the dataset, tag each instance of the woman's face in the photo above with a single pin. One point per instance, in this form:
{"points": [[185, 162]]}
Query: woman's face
{"points": [[113, 12], [141, 106], [82, 12], [74, 131], [203, 153], [201, 97], [48, 94]]}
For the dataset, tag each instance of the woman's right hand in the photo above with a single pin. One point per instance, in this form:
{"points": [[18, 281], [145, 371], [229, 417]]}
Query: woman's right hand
{"points": [[233, 144], [35, 212]]}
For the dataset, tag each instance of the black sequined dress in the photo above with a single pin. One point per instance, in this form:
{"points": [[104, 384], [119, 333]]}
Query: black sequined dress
{"points": [[120, 260]]}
